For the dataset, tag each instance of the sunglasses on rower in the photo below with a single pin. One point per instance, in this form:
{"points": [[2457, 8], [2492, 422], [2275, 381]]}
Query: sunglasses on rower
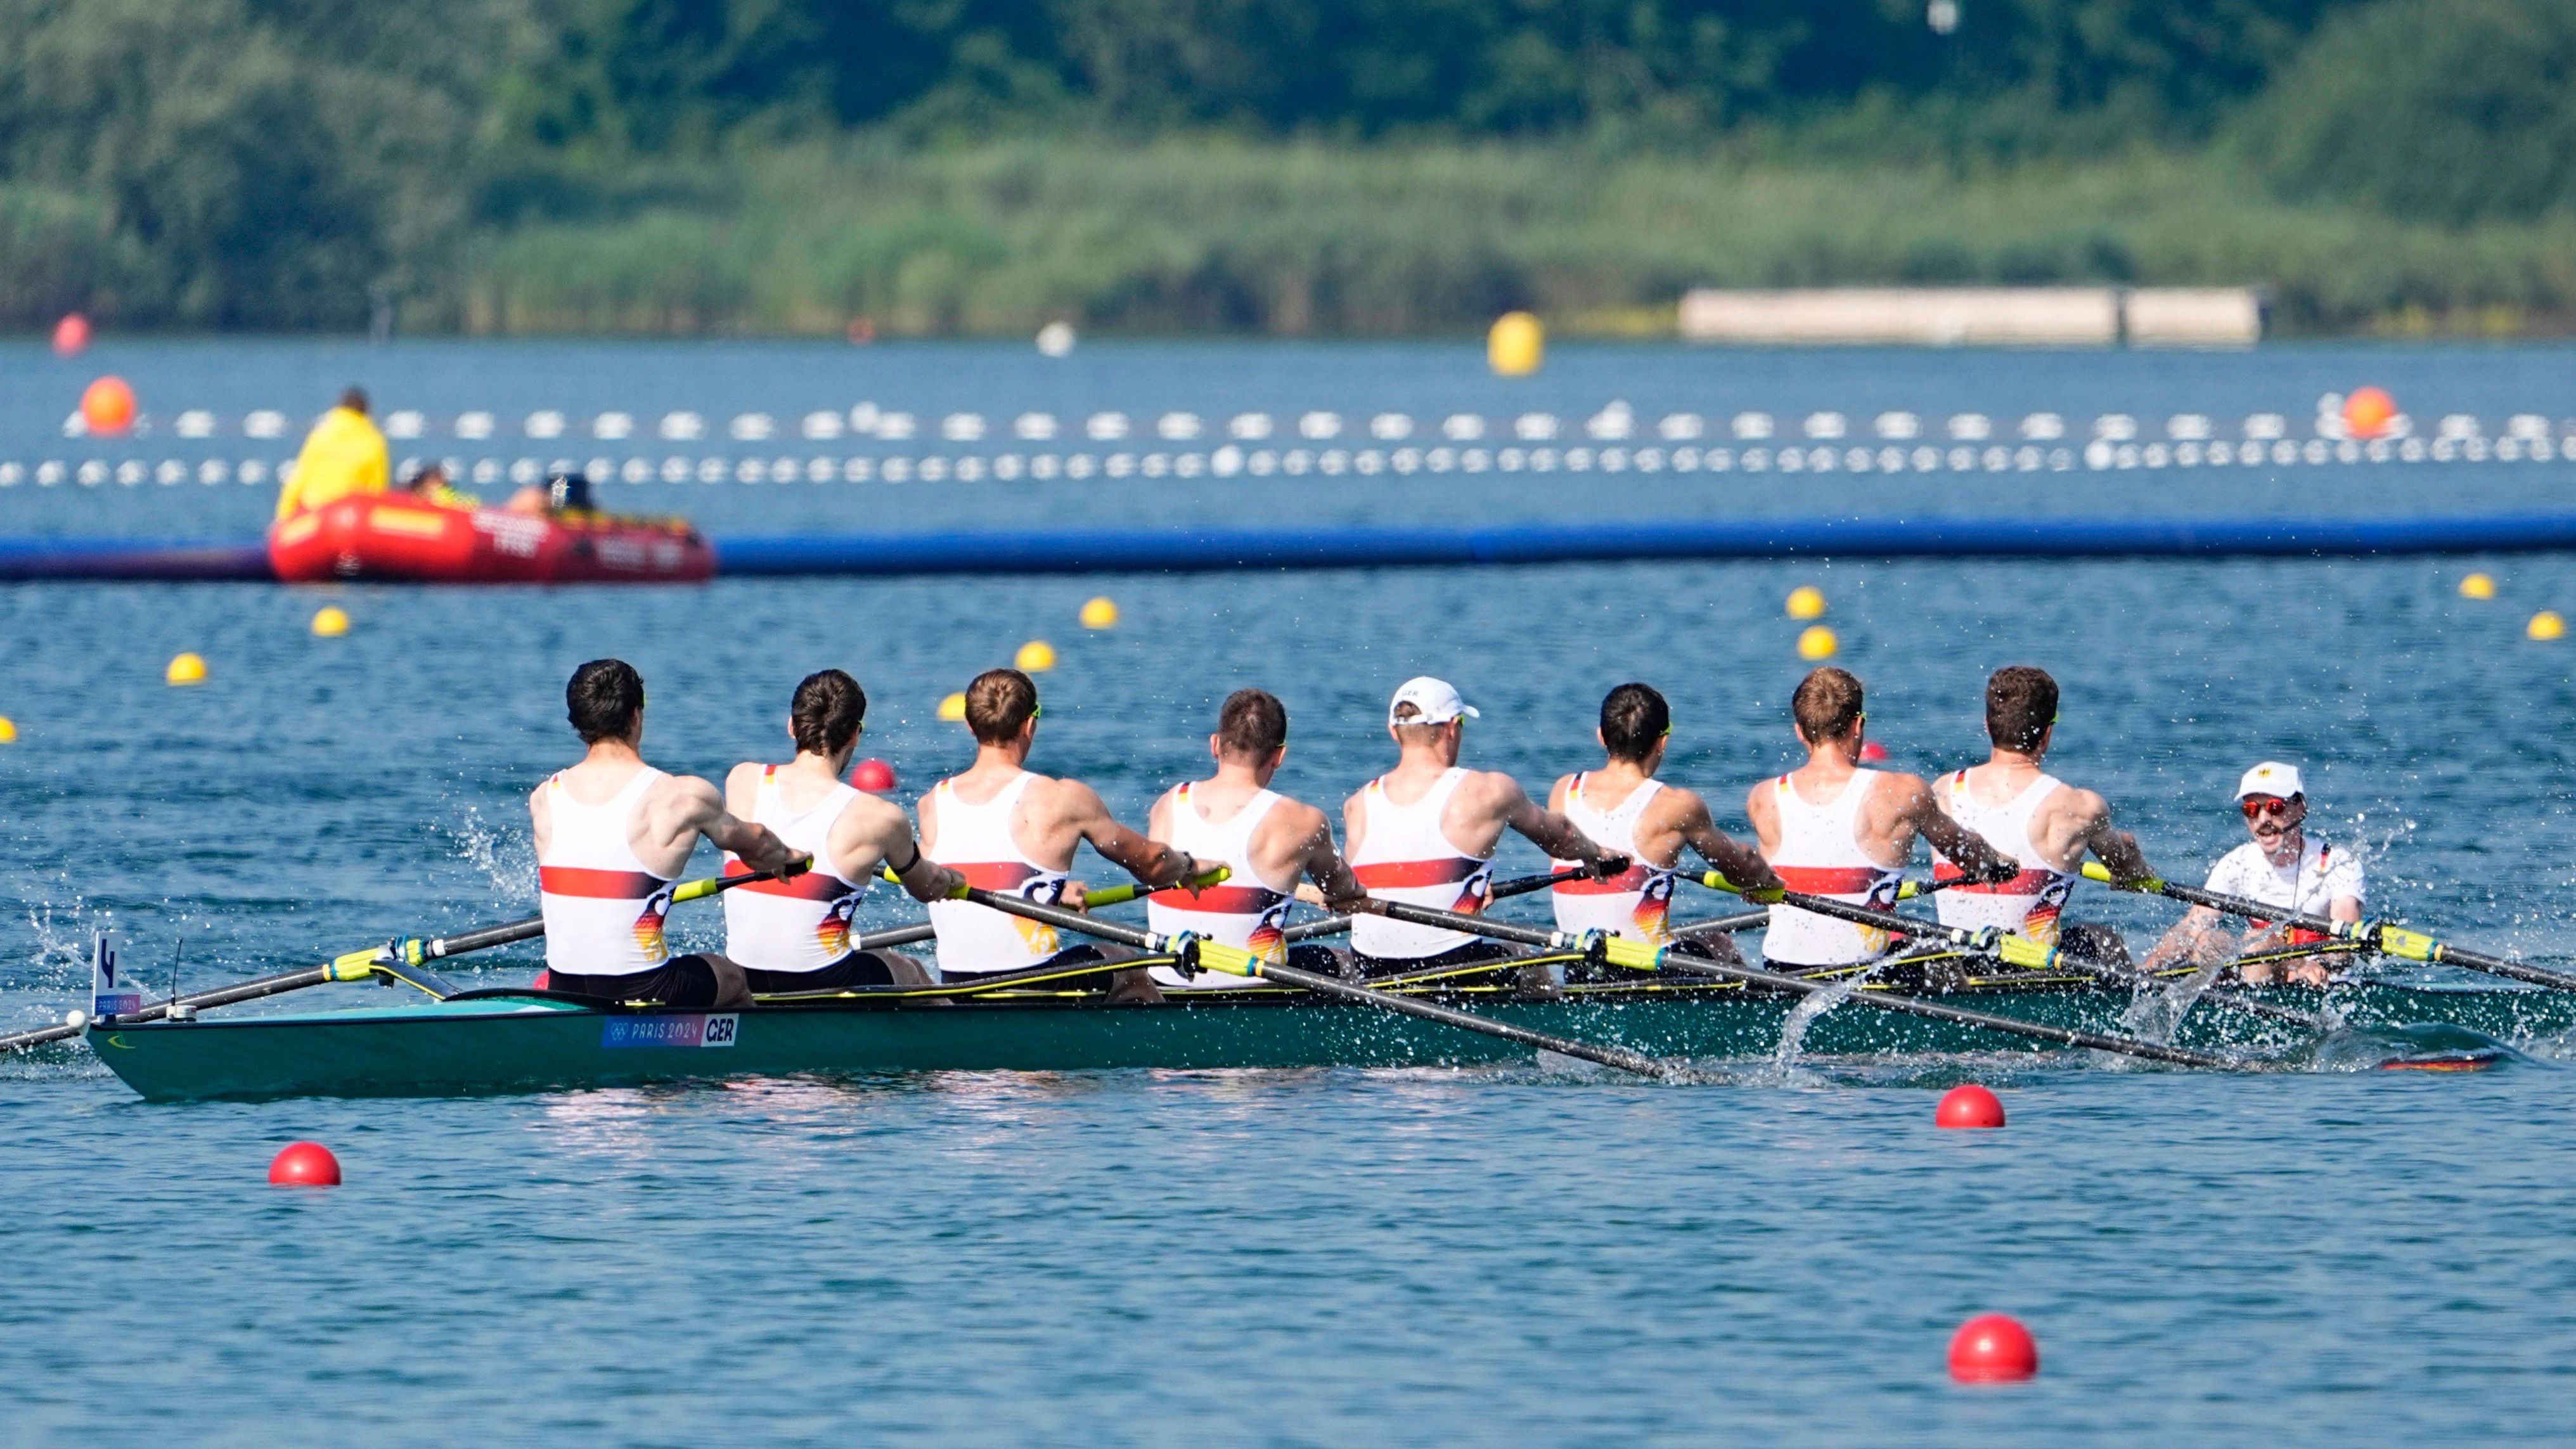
{"points": [[2258, 806]]}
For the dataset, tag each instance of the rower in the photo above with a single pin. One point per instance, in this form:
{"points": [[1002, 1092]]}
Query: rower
{"points": [[1424, 834], [343, 456], [1009, 830], [1265, 840], [2045, 825], [1833, 829], [613, 833], [794, 935], [2280, 866], [1623, 805]]}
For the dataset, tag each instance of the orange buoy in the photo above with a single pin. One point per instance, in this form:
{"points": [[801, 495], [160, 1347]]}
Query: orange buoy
{"points": [[304, 1164], [1969, 1106], [108, 406], [1993, 1349], [2367, 411], [71, 335], [1872, 752], [872, 775]]}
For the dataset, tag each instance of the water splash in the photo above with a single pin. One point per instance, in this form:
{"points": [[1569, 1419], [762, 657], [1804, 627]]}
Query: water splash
{"points": [[507, 858], [1793, 1031]]}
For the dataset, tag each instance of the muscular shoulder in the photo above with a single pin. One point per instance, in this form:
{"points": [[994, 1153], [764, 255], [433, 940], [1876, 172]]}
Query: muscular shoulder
{"points": [[742, 782], [1557, 793], [1051, 798], [1674, 805], [2079, 807], [1490, 789], [1900, 793], [685, 792], [1294, 820]]}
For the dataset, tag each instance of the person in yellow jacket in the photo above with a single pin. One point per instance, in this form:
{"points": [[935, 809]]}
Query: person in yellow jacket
{"points": [[344, 454]]}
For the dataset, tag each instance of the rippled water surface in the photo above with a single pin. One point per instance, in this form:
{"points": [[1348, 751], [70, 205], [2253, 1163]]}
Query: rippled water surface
{"points": [[1520, 1255]]}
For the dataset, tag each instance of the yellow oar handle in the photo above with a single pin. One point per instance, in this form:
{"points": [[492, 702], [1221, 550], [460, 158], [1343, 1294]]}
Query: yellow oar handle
{"points": [[356, 965], [1217, 956], [698, 890], [2145, 884]]}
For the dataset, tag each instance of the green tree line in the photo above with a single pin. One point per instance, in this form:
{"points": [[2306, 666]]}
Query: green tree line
{"points": [[1283, 165]]}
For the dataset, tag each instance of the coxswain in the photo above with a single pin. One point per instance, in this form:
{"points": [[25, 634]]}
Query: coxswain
{"points": [[1624, 807], [2045, 825], [794, 935], [2280, 866], [1424, 834], [344, 455], [1266, 841], [1833, 829], [1011, 831], [613, 834]]}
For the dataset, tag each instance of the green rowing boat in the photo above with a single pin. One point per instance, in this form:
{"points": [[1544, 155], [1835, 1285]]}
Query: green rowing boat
{"points": [[505, 1041]]}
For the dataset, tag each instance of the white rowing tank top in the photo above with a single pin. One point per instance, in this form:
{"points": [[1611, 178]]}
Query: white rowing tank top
{"points": [[801, 924], [975, 841], [1243, 912], [1820, 855], [1637, 902], [603, 908], [2029, 903], [1403, 856]]}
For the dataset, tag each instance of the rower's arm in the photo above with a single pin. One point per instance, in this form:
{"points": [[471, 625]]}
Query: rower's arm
{"points": [[1963, 847], [1740, 863], [2117, 849], [1546, 829], [877, 832], [1319, 862], [694, 808], [1150, 861]]}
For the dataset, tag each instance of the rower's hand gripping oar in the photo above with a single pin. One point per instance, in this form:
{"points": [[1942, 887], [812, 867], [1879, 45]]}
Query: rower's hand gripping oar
{"points": [[2376, 936], [1209, 955], [396, 960], [1120, 894], [1500, 890]]}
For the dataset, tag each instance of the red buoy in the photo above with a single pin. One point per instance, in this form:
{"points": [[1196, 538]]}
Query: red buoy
{"points": [[1872, 752], [304, 1164], [71, 335], [1993, 1349], [1969, 1106], [874, 776]]}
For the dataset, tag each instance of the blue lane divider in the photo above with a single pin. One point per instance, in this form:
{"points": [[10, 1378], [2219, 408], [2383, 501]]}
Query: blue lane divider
{"points": [[1090, 550]]}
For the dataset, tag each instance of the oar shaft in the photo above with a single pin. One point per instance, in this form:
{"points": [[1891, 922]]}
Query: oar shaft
{"points": [[1502, 890], [194, 1001], [1639, 955]]}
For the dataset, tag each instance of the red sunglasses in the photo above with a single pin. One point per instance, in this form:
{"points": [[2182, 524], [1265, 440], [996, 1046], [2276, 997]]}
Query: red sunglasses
{"points": [[2255, 806]]}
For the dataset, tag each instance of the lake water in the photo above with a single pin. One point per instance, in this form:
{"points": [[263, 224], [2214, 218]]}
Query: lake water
{"points": [[1510, 1256]]}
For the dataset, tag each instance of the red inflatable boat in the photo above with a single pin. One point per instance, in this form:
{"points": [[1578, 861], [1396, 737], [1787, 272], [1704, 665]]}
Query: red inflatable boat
{"points": [[393, 536]]}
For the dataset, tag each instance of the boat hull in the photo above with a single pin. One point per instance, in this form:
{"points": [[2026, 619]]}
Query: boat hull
{"points": [[512, 1044], [399, 538]]}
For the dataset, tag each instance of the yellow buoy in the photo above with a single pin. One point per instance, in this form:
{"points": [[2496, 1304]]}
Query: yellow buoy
{"points": [[8, 730], [186, 669], [331, 622], [953, 708], [2546, 625], [1806, 601], [1035, 657], [1516, 345], [2477, 586], [1099, 614], [1817, 642]]}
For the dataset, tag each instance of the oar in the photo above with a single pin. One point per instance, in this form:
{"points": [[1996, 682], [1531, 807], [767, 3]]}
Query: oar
{"points": [[1502, 890], [1105, 896], [398, 959], [2384, 939], [1215, 956], [1643, 956], [1120, 894]]}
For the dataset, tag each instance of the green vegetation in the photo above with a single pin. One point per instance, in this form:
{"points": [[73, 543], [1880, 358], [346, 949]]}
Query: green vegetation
{"points": [[1291, 166]]}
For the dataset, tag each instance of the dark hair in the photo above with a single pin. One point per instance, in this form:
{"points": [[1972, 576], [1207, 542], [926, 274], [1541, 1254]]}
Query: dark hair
{"points": [[998, 703], [2021, 703], [828, 711], [1251, 724], [1633, 717], [354, 399], [1827, 705], [603, 699]]}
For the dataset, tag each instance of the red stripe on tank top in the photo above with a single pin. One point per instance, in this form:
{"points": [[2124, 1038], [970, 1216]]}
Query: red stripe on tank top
{"points": [[600, 885], [1221, 900], [1829, 880], [1417, 872], [1634, 878]]}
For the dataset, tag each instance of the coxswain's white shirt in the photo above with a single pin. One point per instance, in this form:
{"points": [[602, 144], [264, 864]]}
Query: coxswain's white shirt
{"points": [[2325, 875]]}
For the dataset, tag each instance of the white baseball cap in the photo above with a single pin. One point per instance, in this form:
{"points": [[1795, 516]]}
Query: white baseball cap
{"points": [[2271, 778], [1435, 701]]}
